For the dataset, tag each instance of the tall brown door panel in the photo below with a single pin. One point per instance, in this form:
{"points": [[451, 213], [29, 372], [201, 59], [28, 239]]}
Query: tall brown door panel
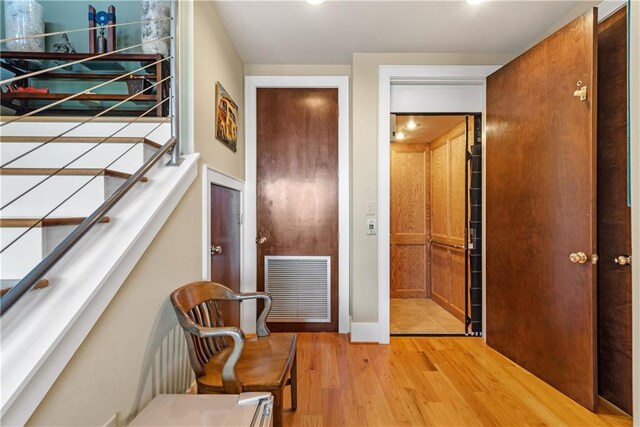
{"points": [[409, 221], [297, 183], [541, 206], [225, 247], [614, 216], [448, 218]]}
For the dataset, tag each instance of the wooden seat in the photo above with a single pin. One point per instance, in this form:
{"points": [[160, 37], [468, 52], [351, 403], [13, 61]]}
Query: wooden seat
{"points": [[222, 365]]}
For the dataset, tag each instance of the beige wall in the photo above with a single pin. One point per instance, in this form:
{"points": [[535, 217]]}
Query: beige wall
{"points": [[135, 350], [296, 70]]}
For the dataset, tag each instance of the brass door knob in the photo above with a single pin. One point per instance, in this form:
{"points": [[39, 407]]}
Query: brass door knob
{"points": [[261, 240], [216, 250], [623, 260], [578, 258]]}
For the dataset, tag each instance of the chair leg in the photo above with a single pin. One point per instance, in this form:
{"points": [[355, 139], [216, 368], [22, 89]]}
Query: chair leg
{"points": [[294, 383], [277, 407]]}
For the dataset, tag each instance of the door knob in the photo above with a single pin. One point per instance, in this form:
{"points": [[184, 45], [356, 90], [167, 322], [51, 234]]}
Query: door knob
{"points": [[578, 258], [261, 240], [216, 250], [623, 260]]}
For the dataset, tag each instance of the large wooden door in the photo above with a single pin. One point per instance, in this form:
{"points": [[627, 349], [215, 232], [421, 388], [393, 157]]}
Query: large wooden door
{"points": [[297, 184], [410, 257], [225, 247], [614, 216], [541, 206]]}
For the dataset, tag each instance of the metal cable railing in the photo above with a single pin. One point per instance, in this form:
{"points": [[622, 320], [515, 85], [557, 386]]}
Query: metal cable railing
{"points": [[165, 87]]}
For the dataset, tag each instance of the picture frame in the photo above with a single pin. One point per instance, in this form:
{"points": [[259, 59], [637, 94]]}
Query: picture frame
{"points": [[226, 118]]}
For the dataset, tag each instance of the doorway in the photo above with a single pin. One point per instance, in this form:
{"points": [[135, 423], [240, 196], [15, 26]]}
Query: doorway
{"points": [[434, 224]]}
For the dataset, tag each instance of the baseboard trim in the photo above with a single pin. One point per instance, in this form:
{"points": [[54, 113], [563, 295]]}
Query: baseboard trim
{"points": [[364, 331]]}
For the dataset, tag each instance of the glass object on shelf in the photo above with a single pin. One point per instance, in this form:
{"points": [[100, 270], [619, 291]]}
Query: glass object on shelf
{"points": [[24, 18], [152, 10]]}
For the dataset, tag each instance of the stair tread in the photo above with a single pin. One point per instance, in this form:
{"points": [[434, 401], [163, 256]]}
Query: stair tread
{"points": [[42, 283], [78, 139], [67, 172], [47, 222]]}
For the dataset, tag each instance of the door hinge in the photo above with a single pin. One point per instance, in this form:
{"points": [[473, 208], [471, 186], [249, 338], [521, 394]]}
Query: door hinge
{"points": [[467, 320], [240, 219], [469, 155]]}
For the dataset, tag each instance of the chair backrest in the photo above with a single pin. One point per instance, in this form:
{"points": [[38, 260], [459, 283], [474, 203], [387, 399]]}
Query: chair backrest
{"points": [[199, 302]]}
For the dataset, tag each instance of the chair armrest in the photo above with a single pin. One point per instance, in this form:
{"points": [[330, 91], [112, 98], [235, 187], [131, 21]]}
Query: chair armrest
{"points": [[230, 381], [261, 324]]}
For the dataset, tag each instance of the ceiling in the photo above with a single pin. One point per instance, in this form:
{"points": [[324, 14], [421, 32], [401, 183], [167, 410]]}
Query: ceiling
{"points": [[294, 32], [429, 127]]}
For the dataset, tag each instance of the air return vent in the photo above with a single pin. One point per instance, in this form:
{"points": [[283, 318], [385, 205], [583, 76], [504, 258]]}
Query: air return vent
{"points": [[300, 287]]}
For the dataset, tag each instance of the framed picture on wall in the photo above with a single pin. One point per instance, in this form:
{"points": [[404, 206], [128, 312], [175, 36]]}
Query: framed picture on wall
{"points": [[226, 118]]}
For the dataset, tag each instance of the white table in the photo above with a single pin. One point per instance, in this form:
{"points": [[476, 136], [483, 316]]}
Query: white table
{"points": [[246, 409]]}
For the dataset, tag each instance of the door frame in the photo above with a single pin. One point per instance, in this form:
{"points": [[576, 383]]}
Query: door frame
{"points": [[252, 83], [210, 177], [452, 76]]}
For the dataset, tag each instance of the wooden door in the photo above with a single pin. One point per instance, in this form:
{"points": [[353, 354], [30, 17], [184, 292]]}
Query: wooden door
{"points": [[297, 183], [614, 216], [540, 204], [225, 247], [448, 217], [410, 258]]}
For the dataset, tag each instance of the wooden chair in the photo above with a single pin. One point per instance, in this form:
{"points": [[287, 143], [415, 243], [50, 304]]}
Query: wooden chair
{"points": [[236, 365]]}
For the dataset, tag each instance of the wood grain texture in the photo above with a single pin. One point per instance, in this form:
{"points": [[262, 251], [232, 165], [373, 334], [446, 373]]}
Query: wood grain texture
{"points": [[46, 222], [440, 275], [421, 315], [67, 172], [458, 190], [297, 182], [425, 382], [410, 261], [225, 232], [439, 182], [614, 216], [457, 298], [540, 206]]}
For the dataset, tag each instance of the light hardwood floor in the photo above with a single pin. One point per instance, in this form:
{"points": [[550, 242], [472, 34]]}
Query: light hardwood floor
{"points": [[421, 315], [424, 381]]}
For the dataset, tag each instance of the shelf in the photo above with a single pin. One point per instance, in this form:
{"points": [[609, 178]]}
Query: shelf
{"points": [[84, 97]]}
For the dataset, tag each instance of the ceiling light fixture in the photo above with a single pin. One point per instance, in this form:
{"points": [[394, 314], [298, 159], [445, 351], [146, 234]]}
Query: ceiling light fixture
{"points": [[400, 135], [412, 125], [315, 2], [475, 1]]}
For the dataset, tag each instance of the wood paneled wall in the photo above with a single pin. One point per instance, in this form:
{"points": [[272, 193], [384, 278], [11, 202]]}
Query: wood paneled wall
{"points": [[448, 216], [410, 258]]}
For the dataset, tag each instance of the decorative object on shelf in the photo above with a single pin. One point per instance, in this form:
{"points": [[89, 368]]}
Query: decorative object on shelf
{"points": [[152, 10], [63, 45], [100, 43], [24, 18], [226, 118], [138, 84]]}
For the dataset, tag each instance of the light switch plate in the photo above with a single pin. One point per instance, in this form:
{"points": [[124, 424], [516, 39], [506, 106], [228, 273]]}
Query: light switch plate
{"points": [[371, 207]]}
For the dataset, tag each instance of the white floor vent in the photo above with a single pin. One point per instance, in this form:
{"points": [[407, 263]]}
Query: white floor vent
{"points": [[300, 287]]}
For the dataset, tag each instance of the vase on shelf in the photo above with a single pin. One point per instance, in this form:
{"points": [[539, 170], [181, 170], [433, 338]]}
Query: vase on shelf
{"points": [[24, 18], [152, 29]]}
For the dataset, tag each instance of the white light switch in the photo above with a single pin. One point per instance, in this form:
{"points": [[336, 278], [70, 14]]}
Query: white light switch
{"points": [[371, 226], [371, 207]]}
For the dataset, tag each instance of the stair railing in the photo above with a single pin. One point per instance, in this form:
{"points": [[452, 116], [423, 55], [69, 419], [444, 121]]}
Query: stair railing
{"points": [[166, 107]]}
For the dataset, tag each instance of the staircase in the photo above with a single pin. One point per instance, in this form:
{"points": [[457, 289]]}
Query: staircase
{"points": [[50, 185]]}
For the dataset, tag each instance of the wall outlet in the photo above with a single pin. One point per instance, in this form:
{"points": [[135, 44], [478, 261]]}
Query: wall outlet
{"points": [[371, 226]]}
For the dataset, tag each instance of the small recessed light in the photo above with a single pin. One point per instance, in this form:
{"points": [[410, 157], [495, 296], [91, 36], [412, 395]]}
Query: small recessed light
{"points": [[314, 1], [412, 125], [400, 135], [475, 1]]}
